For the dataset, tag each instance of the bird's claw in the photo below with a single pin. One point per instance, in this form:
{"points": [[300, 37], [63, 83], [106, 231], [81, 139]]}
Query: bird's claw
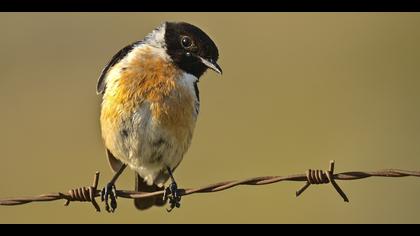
{"points": [[173, 194], [109, 192]]}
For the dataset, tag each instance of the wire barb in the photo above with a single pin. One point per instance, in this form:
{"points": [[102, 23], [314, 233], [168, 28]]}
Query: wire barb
{"points": [[322, 177], [85, 194], [89, 194]]}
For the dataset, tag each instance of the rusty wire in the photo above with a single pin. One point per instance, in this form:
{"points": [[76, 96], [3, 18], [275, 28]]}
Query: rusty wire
{"points": [[89, 194]]}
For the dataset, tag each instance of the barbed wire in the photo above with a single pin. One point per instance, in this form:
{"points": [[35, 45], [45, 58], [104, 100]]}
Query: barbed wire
{"points": [[311, 177]]}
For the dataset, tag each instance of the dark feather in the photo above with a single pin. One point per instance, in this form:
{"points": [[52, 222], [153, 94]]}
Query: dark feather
{"points": [[101, 85], [197, 92]]}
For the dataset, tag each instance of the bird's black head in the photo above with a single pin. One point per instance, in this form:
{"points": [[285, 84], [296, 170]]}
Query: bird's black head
{"points": [[191, 49]]}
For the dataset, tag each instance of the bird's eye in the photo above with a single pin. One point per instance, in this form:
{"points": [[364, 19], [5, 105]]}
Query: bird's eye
{"points": [[186, 42]]}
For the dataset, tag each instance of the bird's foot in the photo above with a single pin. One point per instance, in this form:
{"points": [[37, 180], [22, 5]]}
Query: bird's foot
{"points": [[109, 192], [174, 195]]}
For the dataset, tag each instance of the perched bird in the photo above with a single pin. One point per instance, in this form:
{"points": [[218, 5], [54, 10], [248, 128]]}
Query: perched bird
{"points": [[150, 103]]}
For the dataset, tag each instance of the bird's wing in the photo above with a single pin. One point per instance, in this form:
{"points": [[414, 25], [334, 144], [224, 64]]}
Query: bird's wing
{"points": [[101, 85], [114, 163]]}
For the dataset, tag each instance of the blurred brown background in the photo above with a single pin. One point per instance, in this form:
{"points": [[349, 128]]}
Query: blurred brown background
{"points": [[298, 90]]}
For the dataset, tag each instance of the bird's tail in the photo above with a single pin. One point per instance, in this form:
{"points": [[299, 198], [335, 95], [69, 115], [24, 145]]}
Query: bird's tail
{"points": [[145, 203]]}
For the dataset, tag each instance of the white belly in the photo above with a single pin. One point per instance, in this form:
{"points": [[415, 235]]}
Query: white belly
{"points": [[153, 149]]}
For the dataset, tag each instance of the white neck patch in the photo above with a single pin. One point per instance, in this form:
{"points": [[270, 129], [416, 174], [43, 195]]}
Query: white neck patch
{"points": [[157, 37], [154, 41]]}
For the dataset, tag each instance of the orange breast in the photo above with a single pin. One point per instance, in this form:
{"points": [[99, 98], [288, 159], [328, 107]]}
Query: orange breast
{"points": [[147, 77]]}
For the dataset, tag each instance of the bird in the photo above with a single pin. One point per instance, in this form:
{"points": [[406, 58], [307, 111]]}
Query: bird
{"points": [[149, 109]]}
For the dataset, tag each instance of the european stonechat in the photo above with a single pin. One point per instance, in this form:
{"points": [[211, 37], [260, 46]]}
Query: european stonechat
{"points": [[150, 106]]}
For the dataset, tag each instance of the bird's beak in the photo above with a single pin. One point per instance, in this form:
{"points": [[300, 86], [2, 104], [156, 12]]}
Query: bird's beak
{"points": [[212, 65]]}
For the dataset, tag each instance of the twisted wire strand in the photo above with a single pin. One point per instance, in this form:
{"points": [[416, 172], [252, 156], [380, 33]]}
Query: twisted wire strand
{"points": [[89, 194]]}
